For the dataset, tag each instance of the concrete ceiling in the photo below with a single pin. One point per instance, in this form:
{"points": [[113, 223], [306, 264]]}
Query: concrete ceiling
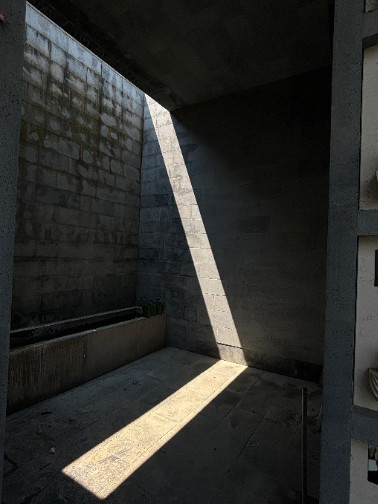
{"points": [[183, 52]]}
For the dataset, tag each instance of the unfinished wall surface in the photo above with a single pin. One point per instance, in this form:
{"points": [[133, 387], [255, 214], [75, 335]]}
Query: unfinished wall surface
{"points": [[233, 223], [47, 368], [79, 181], [12, 42]]}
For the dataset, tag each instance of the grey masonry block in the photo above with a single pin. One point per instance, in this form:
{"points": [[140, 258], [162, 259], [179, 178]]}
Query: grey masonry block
{"points": [[69, 148], [29, 153], [37, 40], [66, 187], [58, 56], [248, 248]]}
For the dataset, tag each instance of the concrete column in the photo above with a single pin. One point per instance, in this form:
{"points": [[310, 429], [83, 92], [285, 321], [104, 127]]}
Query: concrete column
{"points": [[11, 61]]}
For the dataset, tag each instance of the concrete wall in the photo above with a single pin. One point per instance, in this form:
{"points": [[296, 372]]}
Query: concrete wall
{"points": [[233, 223], [79, 181], [45, 369], [11, 56]]}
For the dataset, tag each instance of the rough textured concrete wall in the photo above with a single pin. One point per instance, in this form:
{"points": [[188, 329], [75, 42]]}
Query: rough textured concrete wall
{"points": [[48, 368], [79, 181], [233, 223], [12, 41]]}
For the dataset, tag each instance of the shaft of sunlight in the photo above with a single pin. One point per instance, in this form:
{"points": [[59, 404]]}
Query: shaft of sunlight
{"points": [[106, 466], [209, 279], [109, 464]]}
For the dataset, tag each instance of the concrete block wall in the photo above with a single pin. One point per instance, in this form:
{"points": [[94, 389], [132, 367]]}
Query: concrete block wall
{"points": [[234, 220], [79, 181]]}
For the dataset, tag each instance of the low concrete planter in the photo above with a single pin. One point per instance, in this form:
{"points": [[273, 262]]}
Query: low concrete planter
{"points": [[45, 369]]}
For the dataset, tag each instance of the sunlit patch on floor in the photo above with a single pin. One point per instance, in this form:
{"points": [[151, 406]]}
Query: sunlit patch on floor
{"points": [[105, 467]]}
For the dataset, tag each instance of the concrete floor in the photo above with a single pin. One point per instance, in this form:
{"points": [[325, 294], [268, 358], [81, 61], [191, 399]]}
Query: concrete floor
{"points": [[172, 427]]}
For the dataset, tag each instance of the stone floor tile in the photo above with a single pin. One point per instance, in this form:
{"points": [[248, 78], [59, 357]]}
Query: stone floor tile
{"points": [[62, 490], [181, 404], [287, 411], [274, 378], [283, 494], [8, 466], [259, 398], [175, 377], [299, 384], [209, 382], [222, 405], [236, 495], [173, 426], [131, 494], [17, 488], [252, 478], [175, 456], [245, 381], [172, 494], [238, 420], [155, 396]]}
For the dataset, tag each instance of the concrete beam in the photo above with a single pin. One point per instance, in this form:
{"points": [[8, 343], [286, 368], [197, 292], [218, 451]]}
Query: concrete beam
{"points": [[11, 57], [182, 53], [342, 252]]}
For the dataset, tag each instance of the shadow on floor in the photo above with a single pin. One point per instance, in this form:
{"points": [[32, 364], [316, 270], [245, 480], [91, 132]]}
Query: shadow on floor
{"points": [[172, 427]]}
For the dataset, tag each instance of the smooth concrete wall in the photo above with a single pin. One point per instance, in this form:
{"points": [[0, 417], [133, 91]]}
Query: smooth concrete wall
{"points": [[11, 57], [79, 181], [45, 369], [233, 223]]}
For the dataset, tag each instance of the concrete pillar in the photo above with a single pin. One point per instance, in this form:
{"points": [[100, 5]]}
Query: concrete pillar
{"points": [[11, 61]]}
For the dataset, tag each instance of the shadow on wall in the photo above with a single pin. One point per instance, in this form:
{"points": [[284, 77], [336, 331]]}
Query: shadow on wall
{"points": [[234, 220], [76, 242], [175, 256], [200, 264]]}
